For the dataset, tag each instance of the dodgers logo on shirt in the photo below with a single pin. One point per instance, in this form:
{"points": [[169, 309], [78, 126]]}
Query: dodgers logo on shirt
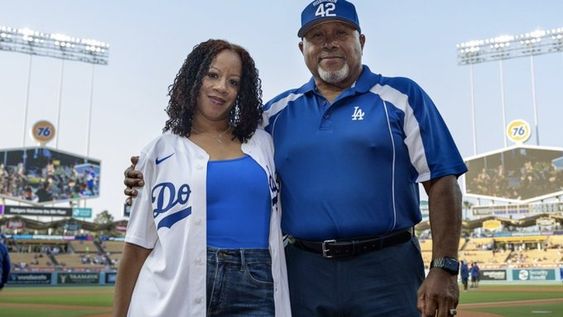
{"points": [[165, 196], [358, 114]]}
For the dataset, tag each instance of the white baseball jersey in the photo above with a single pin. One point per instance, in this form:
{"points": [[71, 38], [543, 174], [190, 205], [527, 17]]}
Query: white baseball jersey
{"points": [[169, 216]]}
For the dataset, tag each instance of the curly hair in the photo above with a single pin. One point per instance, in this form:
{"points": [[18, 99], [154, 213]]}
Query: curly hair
{"points": [[244, 116]]}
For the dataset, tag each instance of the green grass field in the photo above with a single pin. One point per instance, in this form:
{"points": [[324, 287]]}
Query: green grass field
{"points": [[490, 293], [513, 300], [502, 300], [56, 301]]}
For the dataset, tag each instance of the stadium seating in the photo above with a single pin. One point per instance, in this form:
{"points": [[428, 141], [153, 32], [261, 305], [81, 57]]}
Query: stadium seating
{"points": [[493, 252], [426, 249], [23, 261], [112, 246], [485, 258], [115, 258], [556, 241], [479, 244], [536, 258], [76, 261], [81, 246], [425, 245]]}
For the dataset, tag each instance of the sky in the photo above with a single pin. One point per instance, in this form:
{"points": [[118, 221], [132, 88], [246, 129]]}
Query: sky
{"points": [[149, 41]]}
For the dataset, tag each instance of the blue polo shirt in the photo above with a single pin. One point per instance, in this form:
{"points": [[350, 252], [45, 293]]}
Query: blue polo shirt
{"points": [[352, 168]]}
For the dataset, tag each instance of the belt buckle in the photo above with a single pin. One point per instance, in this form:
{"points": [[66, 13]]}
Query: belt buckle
{"points": [[325, 250]]}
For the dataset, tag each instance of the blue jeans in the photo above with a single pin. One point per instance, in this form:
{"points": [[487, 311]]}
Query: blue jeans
{"points": [[239, 283], [378, 283]]}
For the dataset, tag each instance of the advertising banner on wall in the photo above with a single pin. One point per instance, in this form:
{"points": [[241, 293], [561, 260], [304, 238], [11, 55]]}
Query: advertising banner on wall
{"points": [[82, 212], [78, 278], [15, 224], [533, 275], [30, 278], [493, 275], [38, 211], [111, 277]]}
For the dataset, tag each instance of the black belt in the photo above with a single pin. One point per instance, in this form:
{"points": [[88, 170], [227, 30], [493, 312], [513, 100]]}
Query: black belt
{"points": [[346, 248]]}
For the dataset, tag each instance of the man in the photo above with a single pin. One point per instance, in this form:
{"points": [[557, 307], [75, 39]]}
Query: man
{"points": [[475, 274], [28, 194], [464, 273], [44, 192], [350, 149], [4, 263]]}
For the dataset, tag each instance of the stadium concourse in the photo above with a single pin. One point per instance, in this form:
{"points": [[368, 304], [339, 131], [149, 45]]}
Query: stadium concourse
{"points": [[72, 251]]}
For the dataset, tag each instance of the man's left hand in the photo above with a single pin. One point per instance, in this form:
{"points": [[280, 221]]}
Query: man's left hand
{"points": [[438, 294]]}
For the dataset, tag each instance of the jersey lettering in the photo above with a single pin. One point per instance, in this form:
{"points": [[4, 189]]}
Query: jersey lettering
{"points": [[274, 188], [166, 197]]}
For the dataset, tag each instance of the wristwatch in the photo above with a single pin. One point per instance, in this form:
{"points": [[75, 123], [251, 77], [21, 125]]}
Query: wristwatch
{"points": [[448, 264]]}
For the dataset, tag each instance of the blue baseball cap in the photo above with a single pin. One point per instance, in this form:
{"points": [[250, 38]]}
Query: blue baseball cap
{"points": [[326, 10]]}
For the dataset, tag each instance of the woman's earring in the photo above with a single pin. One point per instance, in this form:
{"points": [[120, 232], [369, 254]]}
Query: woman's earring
{"points": [[235, 114]]}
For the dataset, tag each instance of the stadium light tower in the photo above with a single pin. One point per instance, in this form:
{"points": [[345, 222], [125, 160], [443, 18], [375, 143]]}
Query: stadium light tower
{"points": [[504, 47], [56, 45]]}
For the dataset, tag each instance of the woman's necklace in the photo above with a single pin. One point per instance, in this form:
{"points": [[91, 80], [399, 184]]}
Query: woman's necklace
{"points": [[218, 137]]}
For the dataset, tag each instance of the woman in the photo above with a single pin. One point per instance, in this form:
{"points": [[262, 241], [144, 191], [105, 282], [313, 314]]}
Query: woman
{"points": [[204, 235]]}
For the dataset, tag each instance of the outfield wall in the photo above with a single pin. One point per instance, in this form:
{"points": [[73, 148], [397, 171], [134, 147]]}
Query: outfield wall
{"points": [[502, 276], [521, 275], [61, 278]]}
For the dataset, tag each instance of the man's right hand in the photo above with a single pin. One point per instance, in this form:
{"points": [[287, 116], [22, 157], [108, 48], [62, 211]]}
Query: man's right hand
{"points": [[133, 179]]}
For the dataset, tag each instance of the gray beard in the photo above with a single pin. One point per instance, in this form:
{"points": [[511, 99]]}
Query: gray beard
{"points": [[334, 77]]}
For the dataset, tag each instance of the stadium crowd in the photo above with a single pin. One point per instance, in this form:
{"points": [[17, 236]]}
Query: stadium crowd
{"points": [[51, 182], [531, 180]]}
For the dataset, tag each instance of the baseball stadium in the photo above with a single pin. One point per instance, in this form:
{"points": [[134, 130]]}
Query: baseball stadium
{"points": [[64, 253], [67, 266]]}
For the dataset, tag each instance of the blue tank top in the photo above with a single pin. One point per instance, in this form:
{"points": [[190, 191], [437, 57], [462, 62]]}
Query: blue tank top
{"points": [[238, 204]]}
